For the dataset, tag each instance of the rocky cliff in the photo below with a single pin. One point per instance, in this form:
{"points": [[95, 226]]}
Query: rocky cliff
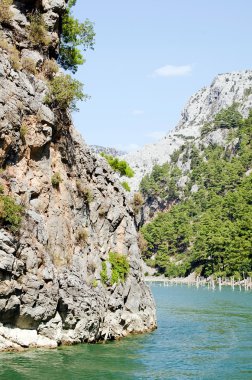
{"points": [[225, 90], [56, 276]]}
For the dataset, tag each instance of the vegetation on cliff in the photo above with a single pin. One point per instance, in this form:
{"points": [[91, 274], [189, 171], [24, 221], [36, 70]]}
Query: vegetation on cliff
{"points": [[37, 30], [74, 35], [5, 11], [226, 118], [119, 166], [119, 266], [65, 92], [209, 226], [162, 182], [10, 211]]}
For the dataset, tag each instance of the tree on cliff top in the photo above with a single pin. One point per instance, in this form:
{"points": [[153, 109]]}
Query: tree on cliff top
{"points": [[74, 35]]}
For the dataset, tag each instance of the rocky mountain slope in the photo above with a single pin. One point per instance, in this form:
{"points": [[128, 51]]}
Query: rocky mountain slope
{"points": [[205, 194], [225, 90], [71, 272]]}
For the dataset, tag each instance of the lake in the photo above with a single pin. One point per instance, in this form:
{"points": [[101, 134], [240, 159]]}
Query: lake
{"points": [[202, 334]]}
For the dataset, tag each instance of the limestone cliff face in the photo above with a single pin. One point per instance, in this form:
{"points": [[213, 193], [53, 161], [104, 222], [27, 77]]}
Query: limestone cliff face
{"points": [[225, 90], [50, 272]]}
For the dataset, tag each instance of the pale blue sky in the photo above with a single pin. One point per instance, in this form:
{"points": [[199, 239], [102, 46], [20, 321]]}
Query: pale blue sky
{"points": [[150, 57]]}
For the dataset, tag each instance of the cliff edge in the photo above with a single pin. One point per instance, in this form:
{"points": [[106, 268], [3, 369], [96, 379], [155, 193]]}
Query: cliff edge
{"points": [[71, 272]]}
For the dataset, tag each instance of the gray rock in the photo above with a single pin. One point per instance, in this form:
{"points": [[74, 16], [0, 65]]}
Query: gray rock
{"points": [[6, 261], [46, 115], [18, 17], [34, 55], [194, 188], [54, 5], [52, 329], [6, 242]]}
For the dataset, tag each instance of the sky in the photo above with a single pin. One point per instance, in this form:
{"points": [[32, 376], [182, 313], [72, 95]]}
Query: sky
{"points": [[150, 56]]}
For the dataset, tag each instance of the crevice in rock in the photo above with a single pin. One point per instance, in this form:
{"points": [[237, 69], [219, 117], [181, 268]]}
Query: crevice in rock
{"points": [[40, 153]]}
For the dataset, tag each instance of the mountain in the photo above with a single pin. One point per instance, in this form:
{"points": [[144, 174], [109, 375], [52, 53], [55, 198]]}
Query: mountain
{"points": [[197, 207], [70, 268], [107, 150], [225, 90]]}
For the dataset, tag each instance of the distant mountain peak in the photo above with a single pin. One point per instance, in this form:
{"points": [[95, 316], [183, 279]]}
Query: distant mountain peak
{"points": [[225, 89], [108, 150]]}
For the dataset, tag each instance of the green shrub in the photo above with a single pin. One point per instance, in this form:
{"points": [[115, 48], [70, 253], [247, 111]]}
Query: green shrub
{"points": [[137, 202], [126, 186], [150, 262], [5, 12], [12, 51], [29, 65], [142, 243], [50, 68], [102, 211], [85, 192], [88, 195], [237, 276], [37, 31], [175, 156], [94, 283], [14, 59], [92, 266], [161, 182], [119, 269], [207, 128], [175, 270], [119, 266], [56, 179], [64, 92], [120, 166], [10, 212], [232, 135], [103, 273], [228, 118], [23, 131], [74, 34], [247, 91], [82, 235]]}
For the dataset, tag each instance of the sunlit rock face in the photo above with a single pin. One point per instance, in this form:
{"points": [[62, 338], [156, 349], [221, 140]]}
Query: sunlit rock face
{"points": [[50, 271]]}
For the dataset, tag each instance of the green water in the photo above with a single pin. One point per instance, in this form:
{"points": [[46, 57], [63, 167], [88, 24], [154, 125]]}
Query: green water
{"points": [[202, 335]]}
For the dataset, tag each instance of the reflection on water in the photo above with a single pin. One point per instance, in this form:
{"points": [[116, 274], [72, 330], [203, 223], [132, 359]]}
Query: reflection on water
{"points": [[201, 335]]}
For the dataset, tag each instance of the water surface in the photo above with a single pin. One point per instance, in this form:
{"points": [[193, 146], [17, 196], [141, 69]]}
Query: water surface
{"points": [[202, 334]]}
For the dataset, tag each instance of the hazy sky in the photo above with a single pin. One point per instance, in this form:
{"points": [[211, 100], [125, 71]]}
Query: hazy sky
{"points": [[150, 57]]}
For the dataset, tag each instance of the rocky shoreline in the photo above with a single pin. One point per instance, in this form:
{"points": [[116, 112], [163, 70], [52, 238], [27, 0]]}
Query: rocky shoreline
{"points": [[16, 340]]}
